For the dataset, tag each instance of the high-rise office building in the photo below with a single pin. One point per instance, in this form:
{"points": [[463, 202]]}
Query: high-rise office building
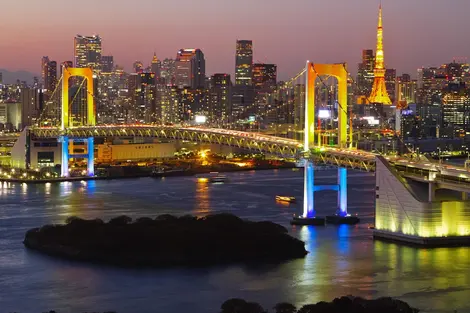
{"points": [[365, 73], [455, 111], [220, 103], [156, 66], [167, 71], [107, 64], [190, 68], [244, 63], [142, 97], [87, 51], [405, 91], [44, 69], [30, 100], [390, 81], [264, 76], [49, 74]]}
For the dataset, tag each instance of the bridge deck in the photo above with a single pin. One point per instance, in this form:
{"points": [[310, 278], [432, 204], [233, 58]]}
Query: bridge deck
{"points": [[284, 147]]}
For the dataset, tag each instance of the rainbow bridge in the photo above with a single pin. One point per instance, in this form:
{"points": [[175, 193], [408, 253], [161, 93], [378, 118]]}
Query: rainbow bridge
{"points": [[397, 176]]}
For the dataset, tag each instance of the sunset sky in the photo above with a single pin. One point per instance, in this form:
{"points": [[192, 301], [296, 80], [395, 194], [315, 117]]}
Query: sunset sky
{"points": [[417, 32]]}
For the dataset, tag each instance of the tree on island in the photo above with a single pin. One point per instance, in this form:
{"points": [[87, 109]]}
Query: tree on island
{"points": [[285, 307]]}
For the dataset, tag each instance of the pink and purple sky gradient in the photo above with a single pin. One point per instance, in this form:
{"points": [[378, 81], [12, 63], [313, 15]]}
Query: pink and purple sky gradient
{"points": [[286, 32]]}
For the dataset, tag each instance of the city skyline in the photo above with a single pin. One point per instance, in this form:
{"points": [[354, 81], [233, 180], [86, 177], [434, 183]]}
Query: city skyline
{"points": [[278, 33]]}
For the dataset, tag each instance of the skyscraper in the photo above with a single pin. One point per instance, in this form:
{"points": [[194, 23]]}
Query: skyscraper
{"points": [[264, 76], [405, 91], [365, 73], [220, 102], [455, 108], [87, 51], [49, 74], [44, 64], [379, 92], [190, 68], [107, 63], [390, 80], [167, 71], [155, 66], [244, 63]]}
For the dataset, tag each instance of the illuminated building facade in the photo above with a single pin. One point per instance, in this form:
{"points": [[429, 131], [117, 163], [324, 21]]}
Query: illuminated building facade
{"points": [[30, 100], [190, 68], [49, 74], [220, 103], [107, 64], [156, 66], [379, 94], [193, 102], [264, 76], [244, 63], [425, 215], [87, 52], [167, 71], [405, 91], [142, 97], [365, 73], [455, 111], [390, 81], [243, 98]]}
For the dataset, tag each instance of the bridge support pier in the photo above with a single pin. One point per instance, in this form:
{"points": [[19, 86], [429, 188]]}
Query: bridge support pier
{"points": [[309, 185], [309, 215], [64, 170], [89, 156], [342, 192]]}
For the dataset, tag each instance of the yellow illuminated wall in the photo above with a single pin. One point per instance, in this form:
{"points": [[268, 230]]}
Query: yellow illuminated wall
{"points": [[398, 210], [340, 73], [91, 109]]}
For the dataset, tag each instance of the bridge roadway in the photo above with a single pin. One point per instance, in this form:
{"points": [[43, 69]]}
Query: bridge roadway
{"points": [[420, 170], [283, 147]]}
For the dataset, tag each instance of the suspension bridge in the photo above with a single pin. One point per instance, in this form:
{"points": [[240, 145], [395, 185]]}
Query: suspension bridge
{"points": [[301, 98]]}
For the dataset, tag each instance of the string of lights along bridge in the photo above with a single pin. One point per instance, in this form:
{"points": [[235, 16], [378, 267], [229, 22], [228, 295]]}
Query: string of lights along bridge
{"points": [[309, 94]]}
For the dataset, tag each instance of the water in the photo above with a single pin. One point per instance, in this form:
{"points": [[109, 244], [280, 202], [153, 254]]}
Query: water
{"points": [[342, 260]]}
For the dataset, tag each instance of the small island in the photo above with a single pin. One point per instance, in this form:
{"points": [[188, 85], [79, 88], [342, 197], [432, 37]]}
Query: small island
{"points": [[167, 241], [345, 304]]}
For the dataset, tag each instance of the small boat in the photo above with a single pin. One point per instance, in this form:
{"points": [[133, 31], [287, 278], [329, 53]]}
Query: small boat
{"points": [[172, 173], [285, 199], [218, 179]]}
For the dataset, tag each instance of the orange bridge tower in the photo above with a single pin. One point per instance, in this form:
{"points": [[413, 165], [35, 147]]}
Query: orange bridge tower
{"points": [[379, 92]]}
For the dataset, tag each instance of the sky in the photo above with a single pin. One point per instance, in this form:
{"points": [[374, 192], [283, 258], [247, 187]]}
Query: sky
{"points": [[417, 33]]}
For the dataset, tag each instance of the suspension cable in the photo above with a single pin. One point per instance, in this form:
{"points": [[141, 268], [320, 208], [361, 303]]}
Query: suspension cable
{"points": [[47, 103]]}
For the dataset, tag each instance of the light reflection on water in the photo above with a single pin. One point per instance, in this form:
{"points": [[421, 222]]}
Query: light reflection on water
{"points": [[342, 260]]}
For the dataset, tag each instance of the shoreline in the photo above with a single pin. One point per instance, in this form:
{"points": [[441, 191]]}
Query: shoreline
{"points": [[141, 175]]}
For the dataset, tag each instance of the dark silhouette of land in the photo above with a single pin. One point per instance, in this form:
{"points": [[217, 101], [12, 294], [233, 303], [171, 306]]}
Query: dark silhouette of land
{"points": [[339, 305], [347, 304], [167, 241]]}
